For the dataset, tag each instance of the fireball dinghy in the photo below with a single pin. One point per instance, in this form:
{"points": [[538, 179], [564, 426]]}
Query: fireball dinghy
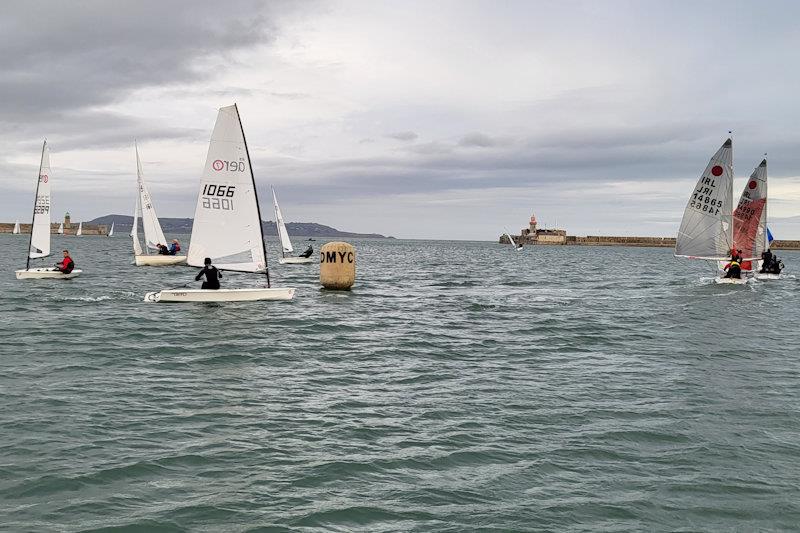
{"points": [[153, 235], [750, 219], [517, 246], [706, 230], [227, 220], [39, 246], [286, 243]]}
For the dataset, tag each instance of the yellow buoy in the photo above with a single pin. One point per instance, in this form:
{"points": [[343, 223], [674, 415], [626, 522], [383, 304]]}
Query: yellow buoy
{"points": [[337, 266]]}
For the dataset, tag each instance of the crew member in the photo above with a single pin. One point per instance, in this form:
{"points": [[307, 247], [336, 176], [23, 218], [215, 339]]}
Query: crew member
{"points": [[211, 273], [175, 247], [308, 252], [162, 249], [734, 268], [67, 265]]}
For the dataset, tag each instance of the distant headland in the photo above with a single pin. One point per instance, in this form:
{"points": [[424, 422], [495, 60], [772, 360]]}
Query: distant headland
{"points": [[123, 223]]}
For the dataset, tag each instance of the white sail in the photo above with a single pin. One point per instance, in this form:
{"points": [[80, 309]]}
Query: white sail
{"points": [[227, 221], [137, 246], [61, 228], [40, 227], [153, 234], [750, 216], [15, 231], [111, 231], [286, 243], [706, 230], [80, 229]]}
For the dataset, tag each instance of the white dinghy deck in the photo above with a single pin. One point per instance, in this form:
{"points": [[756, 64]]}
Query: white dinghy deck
{"points": [[219, 295], [46, 273], [295, 260], [159, 260]]}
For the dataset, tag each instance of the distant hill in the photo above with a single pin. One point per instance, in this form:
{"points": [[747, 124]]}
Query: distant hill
{"points": [[184, 225]]}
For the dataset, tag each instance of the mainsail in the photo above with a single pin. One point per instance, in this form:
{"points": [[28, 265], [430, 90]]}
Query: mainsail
{"points": [[286, 243], [16, 230], [80, 229], [137, 246], [60, 228], [750, 216], [111, 231], [40, 226], [227, 219], [706, 230], [153, 235]]}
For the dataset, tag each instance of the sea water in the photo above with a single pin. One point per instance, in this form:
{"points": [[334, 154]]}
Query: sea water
{"points": [[460, 386]]}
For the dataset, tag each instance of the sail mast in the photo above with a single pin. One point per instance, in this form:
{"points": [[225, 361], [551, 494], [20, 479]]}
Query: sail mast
{"points": [[255, 193], [35, 198]]}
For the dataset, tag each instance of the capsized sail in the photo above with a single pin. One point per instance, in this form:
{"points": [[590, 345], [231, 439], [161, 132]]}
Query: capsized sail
{"points": [[153, 235], [750, 216], [706, 230], [40, 227], [227, 220], [286, 243]]}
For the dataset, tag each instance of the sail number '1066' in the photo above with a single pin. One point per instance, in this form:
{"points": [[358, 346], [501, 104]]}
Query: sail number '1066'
{"points": [[218, 196]]}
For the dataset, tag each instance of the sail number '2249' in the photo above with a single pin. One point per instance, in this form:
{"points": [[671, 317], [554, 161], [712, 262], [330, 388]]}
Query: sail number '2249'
{"points": [[218, 196]]}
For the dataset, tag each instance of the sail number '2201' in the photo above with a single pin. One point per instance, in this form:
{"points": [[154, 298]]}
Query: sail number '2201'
{"points": [[218, 196]]}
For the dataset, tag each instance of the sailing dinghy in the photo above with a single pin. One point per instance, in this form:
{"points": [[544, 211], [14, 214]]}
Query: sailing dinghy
{"points": [[60, 228], [39, 246], [111, 231], [286, 243], [15, 231], [80, 229], [750, 219], [227, 220], [706, 230], [153, 235]]}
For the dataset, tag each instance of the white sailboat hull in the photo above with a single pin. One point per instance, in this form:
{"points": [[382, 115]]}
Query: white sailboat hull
{"points": [[295, 260], [159, 260], [731, 281], [46, 273], [219, 295], [760, 276]]}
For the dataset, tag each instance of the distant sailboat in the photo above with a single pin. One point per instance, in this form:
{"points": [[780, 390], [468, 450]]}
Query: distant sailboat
{"points": [[286, 243], [61, 228], [706, 230], [227, 220], [750, 217], [153, 234], [80, 229], [39, 246], [15, 231], [517, 246], [111, 231]]}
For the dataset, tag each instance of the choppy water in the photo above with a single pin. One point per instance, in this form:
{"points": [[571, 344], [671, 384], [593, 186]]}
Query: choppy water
{"points": [[459, 387]]}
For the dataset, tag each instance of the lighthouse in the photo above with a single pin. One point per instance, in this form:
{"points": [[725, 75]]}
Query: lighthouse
{"points": [[66, 220]]}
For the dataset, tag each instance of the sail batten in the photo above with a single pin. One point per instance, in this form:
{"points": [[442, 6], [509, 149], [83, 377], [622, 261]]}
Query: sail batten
{"points": [[707, 226], [227, 223]]}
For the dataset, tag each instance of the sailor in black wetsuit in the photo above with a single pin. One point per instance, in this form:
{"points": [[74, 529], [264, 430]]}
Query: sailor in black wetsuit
{"points": [[211, 273], [308, 252]]}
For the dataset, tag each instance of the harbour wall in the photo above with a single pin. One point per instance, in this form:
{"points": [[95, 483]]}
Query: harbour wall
{"points": [[605, 240], [88, 229]]}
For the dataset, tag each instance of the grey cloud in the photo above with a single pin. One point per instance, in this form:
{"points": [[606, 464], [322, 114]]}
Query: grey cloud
{"points": [[403, 136], [481, 140]]}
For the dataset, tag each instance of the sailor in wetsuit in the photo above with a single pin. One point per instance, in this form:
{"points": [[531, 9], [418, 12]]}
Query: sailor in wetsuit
{"points": [[770, 263], [734, 268], [211, 273], [308, 252]]}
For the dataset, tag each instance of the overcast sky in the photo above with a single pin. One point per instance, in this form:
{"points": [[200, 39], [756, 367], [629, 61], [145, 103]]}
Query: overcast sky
{"points": [[415, 119]]}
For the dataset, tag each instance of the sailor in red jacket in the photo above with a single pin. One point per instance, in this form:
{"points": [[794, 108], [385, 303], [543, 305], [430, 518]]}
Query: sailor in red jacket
{"points": [[67, 265]]}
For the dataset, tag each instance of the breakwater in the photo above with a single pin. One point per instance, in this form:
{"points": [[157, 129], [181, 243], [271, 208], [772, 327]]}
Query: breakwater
{"points": [[607, 240], [88, 229]]}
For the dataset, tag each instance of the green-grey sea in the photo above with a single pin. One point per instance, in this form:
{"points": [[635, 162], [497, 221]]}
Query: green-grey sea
{"points": [[459, 386]]}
